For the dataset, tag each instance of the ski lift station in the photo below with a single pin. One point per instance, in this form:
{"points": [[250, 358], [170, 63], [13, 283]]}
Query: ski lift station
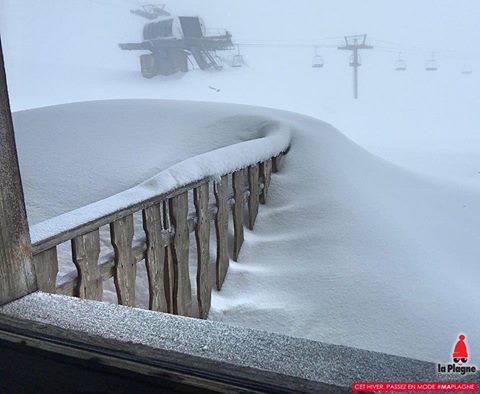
{"points": [[172, 39]]}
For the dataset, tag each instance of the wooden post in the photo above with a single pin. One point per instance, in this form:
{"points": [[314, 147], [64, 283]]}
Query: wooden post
{"points": [[253, 199], [277, 162], [266, 174], [202, 236], [238, 180], [168, 259], [155, 258], [221, 226], [46, 269], [17, 273], [85, 252], [182, 290], [121, 233]]}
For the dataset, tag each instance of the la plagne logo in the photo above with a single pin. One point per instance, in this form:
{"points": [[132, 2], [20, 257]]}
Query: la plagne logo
{"points": [[460, 360]]}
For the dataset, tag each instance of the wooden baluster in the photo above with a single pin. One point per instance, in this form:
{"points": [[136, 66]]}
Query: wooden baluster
{"points": [[168, 261], [277, 162], [85, 253], [202, 235], [238, 179], [182, 291], [266, 173], [46, 269], [221, 227], [253, 199], [155, 258], [121, 234]]}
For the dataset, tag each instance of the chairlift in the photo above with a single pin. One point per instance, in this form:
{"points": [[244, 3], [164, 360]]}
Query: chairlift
{"points": [[317, 61], [467, 69], [400, 64], [237, 60], [431, 64]]}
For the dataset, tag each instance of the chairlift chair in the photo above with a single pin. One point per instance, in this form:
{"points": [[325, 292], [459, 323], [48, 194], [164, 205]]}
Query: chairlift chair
{"points": [[400, 64], [237, 60], [431, 64], [467, 69], [317, 61]]}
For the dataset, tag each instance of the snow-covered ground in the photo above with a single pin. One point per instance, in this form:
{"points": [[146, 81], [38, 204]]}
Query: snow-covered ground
{"points": [[350, 249]]}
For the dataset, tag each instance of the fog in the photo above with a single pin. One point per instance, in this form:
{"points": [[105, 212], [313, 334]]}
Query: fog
{"points": [[64, 51], [376, 239]]}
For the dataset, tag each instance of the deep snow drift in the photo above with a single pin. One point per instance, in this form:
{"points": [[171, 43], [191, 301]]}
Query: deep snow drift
{"points": [[427, 122], [349, 249]]}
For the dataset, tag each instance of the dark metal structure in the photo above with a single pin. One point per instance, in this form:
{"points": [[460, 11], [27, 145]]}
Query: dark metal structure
{"points": [[354, 44], [171, 40]]}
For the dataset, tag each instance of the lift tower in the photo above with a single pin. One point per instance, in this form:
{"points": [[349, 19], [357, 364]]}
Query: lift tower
{"points": [[354, 44]]}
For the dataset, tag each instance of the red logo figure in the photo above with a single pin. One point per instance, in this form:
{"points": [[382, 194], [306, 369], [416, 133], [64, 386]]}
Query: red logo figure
{"points": [[460, 352]]}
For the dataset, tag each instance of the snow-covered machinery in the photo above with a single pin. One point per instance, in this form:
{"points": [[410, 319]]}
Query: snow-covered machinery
{"points": [[172, 39]]}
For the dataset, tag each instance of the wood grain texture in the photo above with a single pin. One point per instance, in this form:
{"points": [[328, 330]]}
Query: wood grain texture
{"points": [[182, 291], [46, 269], [259, 176], [238, 179], [85, 253], [266, 175], [202, 236], [221, 227], [17, 273], [121, 234], [155, 258], [215, 373], [66, 235], [254, 195], [168, 263], [277, 163]]}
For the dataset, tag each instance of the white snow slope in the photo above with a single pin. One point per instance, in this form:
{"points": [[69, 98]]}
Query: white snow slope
{"points": [[349, 249]]}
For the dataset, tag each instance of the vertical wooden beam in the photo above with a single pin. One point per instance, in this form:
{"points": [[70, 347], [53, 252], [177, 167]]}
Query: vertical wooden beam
{"points": [[168, 279], [121, 234], [155, 258], [253, 199], [277, 162], [221, 227], [238, 179], [202, 235], [85, 253], [266, 175], [46, 268], [182, 290], [17, 273]]}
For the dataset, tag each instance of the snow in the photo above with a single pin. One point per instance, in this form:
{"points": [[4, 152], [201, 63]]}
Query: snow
{"points": [[242, 347], [351, 248], [96, 124]]}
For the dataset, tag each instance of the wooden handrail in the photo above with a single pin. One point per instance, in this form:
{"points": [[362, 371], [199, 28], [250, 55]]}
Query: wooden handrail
{"points": [[167, 223]]}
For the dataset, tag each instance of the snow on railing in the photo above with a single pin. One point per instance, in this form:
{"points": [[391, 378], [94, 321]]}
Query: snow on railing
{"points": [[164, 204]]}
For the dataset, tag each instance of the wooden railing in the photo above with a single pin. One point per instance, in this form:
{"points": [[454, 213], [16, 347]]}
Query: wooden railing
{"points": [[164, 247]]}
